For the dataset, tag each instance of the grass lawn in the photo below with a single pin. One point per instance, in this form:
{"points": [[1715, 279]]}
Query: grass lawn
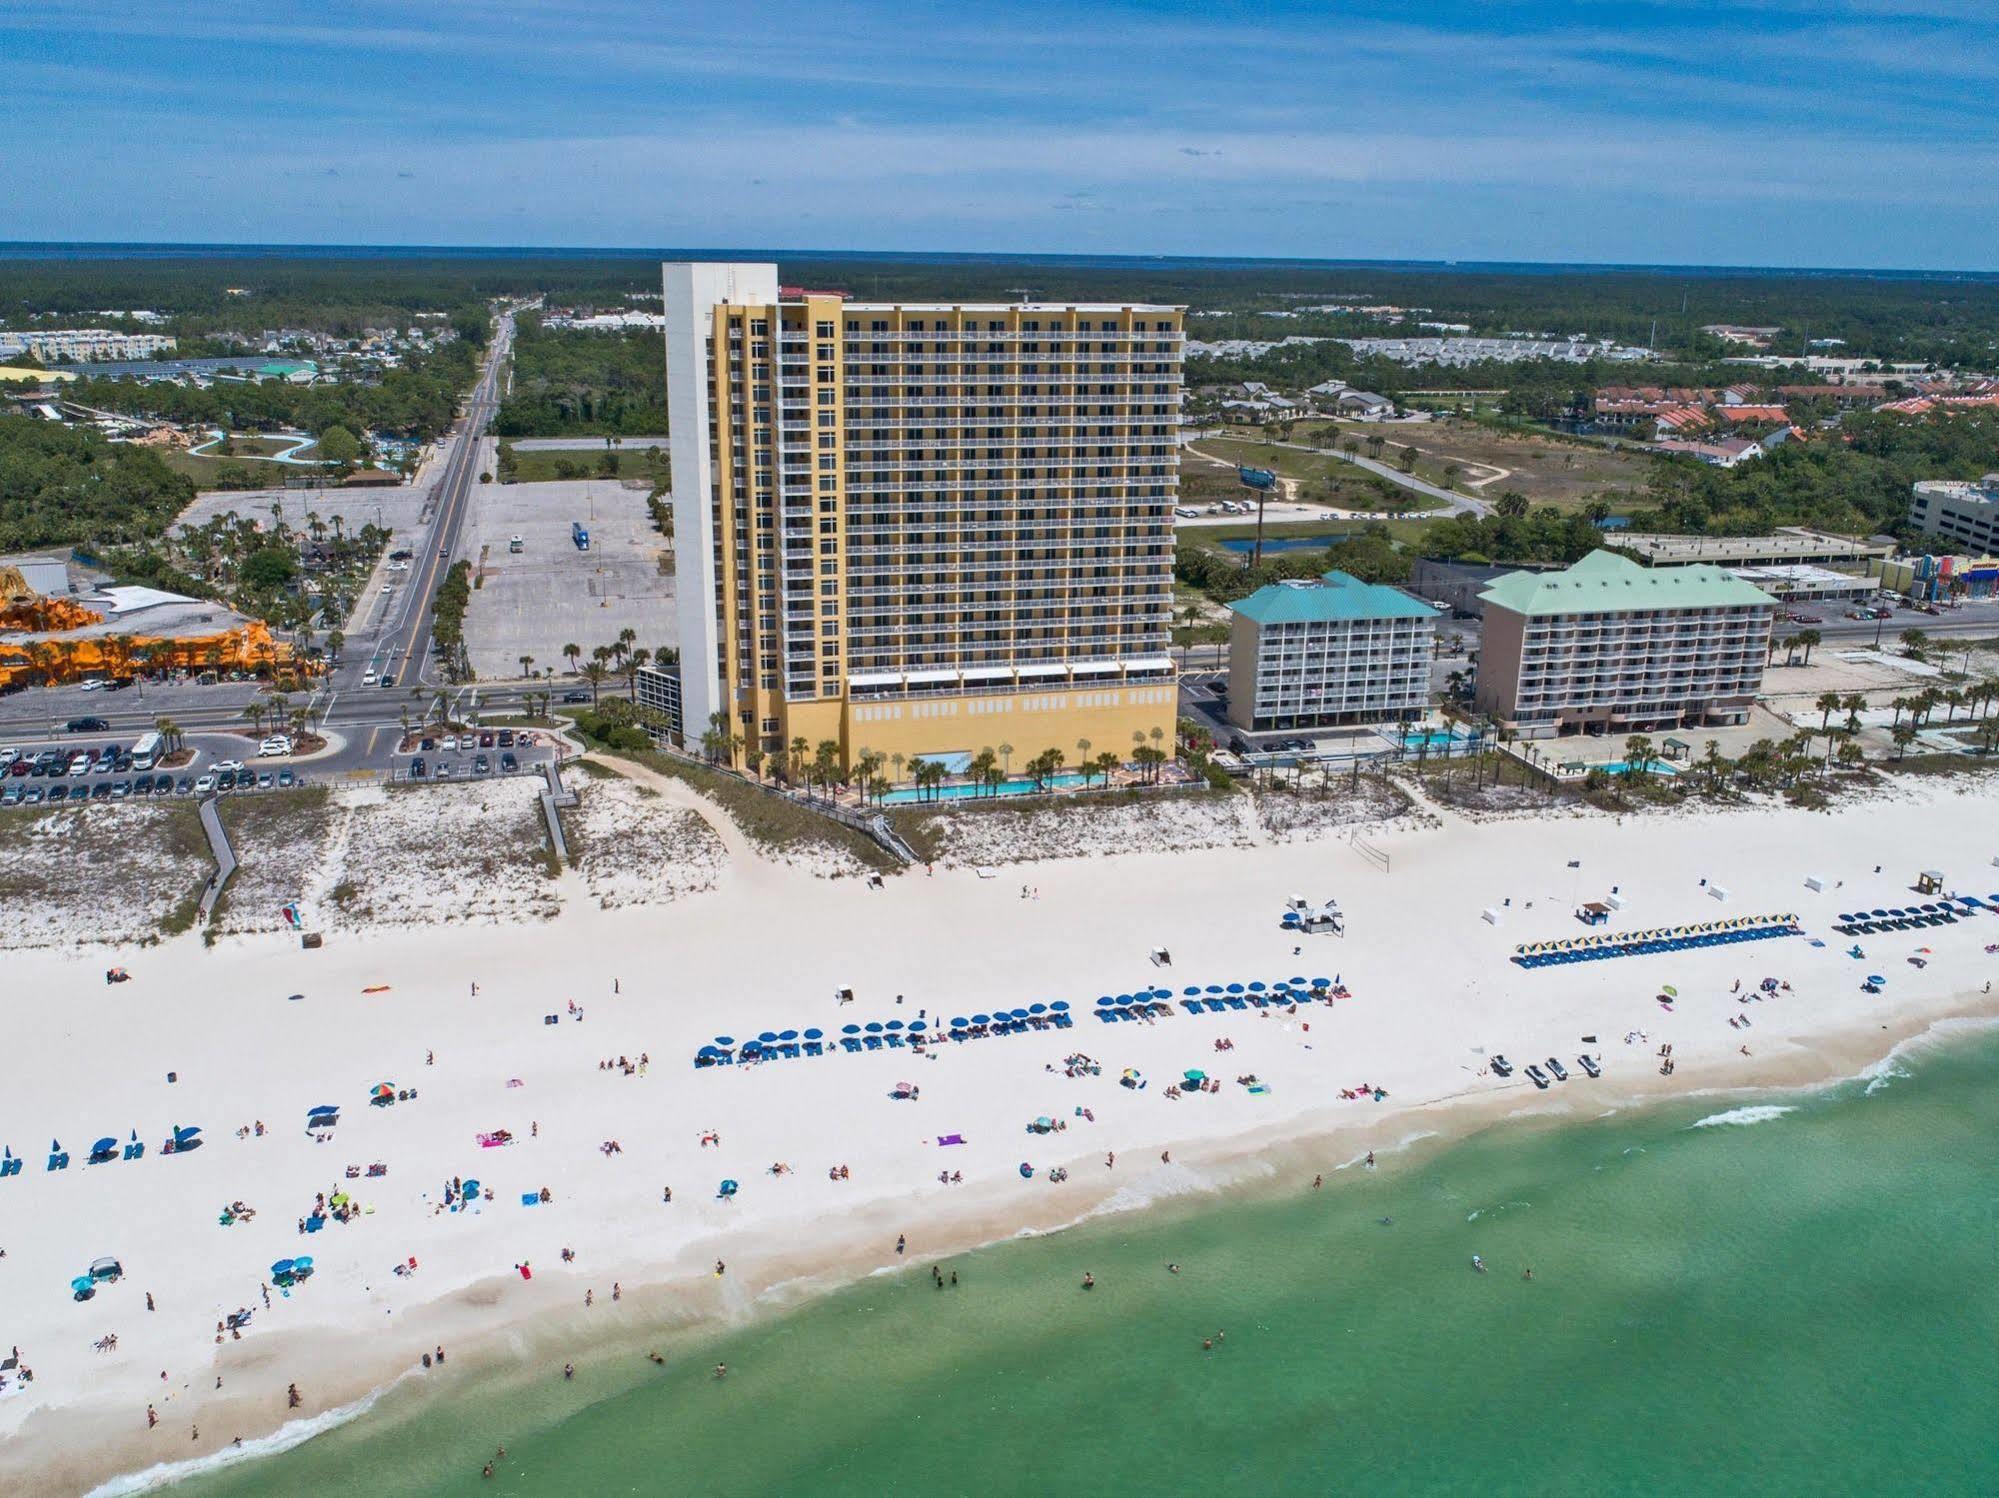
{"points": [[205, 468], [541, 467], [1547, 469], [1320, 479]]}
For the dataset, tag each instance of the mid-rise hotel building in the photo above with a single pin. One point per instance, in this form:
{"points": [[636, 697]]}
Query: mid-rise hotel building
{"points": [[921, 529], [1313, 653], [1608, 646]]}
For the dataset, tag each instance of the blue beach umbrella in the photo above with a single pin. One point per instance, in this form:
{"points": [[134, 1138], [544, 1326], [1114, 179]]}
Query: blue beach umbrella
{"points": [[707, 1050], [1256, 988], [768, 1036], [1216, 988], [895, 1024], [1031, 1009], [321, 1111], [301, 1263], [874, 1027], [725, 1040], [283, 1266], [917, 1027], [1162, 993], [1235, 988], [1322, 982], [982, 1019], [1105, 1002], [787, 1035], [815, 1034], [1298, 983], [1192, 990], [960, 1022], [103, 1146], [850, 1029], [1060, 1006]]}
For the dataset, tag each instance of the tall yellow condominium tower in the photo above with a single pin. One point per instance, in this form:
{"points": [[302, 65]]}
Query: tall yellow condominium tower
{"points": [[922, 530]]}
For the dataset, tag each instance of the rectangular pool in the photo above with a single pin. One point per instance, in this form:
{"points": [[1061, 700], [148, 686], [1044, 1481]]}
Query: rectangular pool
{"points": [[909, 795]]}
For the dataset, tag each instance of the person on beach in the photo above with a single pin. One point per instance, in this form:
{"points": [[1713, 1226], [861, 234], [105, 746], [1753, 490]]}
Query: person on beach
{"points": [[721, 1370], [901, 1243], [1172, 1268], [954, 1279], [720, 1267], [1370, 1159], [293, 1399], [666, 1195], [656, 1359], [1089, 1280], [589, 1298], [1110, 1159], [152, 1417], [568, 1371], [1317, 1182], [149, 1300], [617, 1291]]}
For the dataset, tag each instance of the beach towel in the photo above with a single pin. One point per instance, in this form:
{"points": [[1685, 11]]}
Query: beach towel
{"points": [[529, 1199], [376, 988], [950, 1138]]}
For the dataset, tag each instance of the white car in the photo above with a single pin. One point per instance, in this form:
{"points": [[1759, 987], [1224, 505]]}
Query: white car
{"points": [[448, 742], [231, 765], [204, 785], [274, 746]]}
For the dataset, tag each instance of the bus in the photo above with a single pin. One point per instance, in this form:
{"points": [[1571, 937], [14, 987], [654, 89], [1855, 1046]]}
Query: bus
{"points": [[146, 753]]}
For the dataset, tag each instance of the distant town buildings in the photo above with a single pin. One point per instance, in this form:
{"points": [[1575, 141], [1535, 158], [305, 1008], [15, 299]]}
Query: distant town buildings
{"points": [[1319, 652], [87, 345], [1610, 647], [1458, 351], [1757, 338], [605, 322]]}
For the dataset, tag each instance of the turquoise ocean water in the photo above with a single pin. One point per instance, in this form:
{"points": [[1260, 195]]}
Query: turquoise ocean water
{"points": [[1726, 1298]]}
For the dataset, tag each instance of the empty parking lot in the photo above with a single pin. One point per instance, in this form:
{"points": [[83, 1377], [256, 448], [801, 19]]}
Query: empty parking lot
{"points": [[551, 593]]}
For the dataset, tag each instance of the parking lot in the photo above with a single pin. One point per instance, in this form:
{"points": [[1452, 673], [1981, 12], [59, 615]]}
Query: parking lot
{"points": [[395, 508], [100, 766], [552, 593], [471, 755]]}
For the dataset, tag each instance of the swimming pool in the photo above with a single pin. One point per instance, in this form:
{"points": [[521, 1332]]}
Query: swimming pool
{"points": [[910, 795], [1619, 767], [1435, 738]]}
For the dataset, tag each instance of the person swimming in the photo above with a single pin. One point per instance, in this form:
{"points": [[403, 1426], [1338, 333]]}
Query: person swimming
{"points": [[1478, 1263], [1089, 1280]]}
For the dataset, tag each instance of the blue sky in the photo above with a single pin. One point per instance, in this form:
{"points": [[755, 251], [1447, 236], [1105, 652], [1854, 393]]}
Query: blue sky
{"points": [[1777, 132]]}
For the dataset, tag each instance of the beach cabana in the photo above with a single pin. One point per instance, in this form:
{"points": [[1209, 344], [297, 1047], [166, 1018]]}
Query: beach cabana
{"points": [[106, 1269]]}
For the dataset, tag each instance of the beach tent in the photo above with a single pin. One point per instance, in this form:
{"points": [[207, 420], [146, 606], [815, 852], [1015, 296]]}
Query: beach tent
{"points": [[727, 1188], [106, 1269]]}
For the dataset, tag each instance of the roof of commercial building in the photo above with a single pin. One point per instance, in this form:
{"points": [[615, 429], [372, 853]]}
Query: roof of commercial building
{"points": [[1604, 582], [1793, 541], [1334, 597]]}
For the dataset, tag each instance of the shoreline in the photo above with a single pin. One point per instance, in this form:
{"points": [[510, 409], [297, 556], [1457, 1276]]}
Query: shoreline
{"points": [[1434, 994], [495, 1356]]}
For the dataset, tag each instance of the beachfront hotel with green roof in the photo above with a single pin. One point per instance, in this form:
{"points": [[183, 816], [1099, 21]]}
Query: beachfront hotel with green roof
{"points": [[1318, 652], [1610, 647]]}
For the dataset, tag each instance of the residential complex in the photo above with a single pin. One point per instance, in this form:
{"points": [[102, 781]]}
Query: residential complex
{"points": [[1967, 513], [1608, 646], [88, 345], [1314, 653], [921, 529]]}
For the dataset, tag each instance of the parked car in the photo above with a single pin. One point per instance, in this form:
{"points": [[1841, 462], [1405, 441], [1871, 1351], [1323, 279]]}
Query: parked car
{"points": [[1501, 1067], [275, 745], [11, 796], [482, 766], [226, 764], [99, 792], [32, 796], [184, 786], [286, 778], [1559, 1071], [57, 792], [418, 769], [266, 780], [575, 696], [204, 785], [485, 740], [506, 738], [225, 780], [143, 786], [427, 745], [508, 764], [444, 771], [448, 744]]}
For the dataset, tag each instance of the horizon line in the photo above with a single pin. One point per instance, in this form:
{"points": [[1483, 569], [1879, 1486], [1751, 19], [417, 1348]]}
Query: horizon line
{"points": [[25, 249]]}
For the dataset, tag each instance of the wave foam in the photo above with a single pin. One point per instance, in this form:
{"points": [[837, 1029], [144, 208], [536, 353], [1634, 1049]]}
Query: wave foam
{"points": [[1761, 1113], [292, 1433]]}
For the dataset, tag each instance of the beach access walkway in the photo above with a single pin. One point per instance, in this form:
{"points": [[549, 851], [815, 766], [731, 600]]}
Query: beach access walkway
{"points": [[679, 793]]}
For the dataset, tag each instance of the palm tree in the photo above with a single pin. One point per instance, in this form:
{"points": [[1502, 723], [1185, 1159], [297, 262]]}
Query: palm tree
{"points": [[169, 732], [1828, 704], [895, 759], [714, 738], [1853, 705], [334, 640], [1637, 756], [594, 673], [799, 749], [570, 653], [982, 765], [1904, 734], [527, 667], [1083, 762], [1006, 757], [255, 713], [1808, 638]]}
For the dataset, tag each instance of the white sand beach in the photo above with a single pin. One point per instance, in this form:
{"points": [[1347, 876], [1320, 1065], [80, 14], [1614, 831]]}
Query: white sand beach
{"points": [[747, 946]]}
